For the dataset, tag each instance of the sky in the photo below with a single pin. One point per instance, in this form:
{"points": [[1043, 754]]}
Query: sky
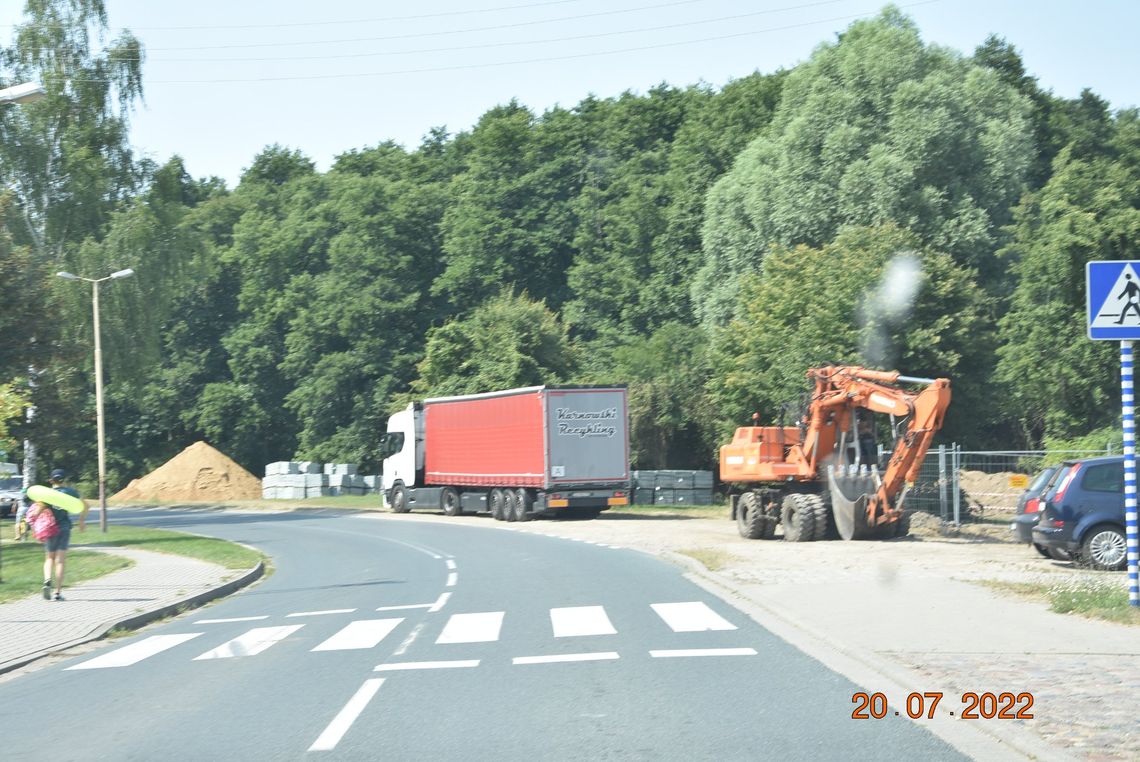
{"points": [[223, 79]]}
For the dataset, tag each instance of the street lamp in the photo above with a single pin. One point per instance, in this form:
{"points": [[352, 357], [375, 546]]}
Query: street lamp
{"points": [[99, 382]]}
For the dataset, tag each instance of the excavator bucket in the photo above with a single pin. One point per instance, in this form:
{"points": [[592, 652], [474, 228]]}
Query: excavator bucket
{"points": [[849, 497]]}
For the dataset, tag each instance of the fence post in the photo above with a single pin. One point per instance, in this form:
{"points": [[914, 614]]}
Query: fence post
{"points": [[956, 465], [943, 480]]}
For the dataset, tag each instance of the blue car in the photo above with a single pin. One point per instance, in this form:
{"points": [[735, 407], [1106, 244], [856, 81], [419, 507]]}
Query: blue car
{"points": [[1083, 513]]}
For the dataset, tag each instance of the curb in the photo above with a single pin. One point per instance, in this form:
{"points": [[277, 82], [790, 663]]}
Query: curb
{"points": [[137, 621]]}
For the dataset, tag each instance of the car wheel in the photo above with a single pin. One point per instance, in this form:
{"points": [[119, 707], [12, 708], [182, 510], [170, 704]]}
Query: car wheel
{"points": [[1105, 548], [1058, 555], [1045, 552]]}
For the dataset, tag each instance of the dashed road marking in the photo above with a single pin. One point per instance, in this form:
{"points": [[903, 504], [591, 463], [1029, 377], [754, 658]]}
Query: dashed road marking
{"points": [[232, 619], [322, 613], [336, 729], [556, 658], [667, 653], [410, 665]]}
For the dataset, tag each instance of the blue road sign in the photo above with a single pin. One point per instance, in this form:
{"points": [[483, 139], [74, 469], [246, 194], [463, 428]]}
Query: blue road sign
{"points": [[1113, 296]]}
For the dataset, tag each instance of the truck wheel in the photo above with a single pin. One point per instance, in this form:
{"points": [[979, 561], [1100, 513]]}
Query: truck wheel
{"points": [[400, 499], [798, 518], [523, 504], [750, 519], [1104, 548], [449, 500], [495, 500], [509, 499]]}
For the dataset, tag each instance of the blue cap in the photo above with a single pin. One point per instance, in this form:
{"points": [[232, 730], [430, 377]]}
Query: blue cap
{"points": [[58, 474]]}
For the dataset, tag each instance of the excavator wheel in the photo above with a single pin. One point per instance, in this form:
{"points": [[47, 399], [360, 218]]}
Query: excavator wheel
{"points": [[799, 517], [824, 520], [750, 519]]}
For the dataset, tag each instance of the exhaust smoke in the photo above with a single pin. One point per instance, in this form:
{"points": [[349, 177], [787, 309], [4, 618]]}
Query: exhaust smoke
{"points": [[887, 306]]}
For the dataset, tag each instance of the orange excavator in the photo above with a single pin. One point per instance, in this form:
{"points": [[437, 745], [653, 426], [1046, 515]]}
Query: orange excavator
{"points": [[821, 478]]}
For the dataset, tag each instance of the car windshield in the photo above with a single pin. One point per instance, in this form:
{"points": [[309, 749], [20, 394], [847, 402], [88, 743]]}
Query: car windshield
{"points": [[1039, 481], [11, 483]]}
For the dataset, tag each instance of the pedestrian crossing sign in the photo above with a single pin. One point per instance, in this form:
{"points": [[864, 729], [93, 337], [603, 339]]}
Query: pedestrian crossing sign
{"points": [[1113, 297]]}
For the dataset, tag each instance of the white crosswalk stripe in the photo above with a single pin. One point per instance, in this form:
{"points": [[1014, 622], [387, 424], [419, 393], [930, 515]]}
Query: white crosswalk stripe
{"points": [[580, 620], [692, 616], [472, 628], [251, 643], [364, 633], [136, 652]]}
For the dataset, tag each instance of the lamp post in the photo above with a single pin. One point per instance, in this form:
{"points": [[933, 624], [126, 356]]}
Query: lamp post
{"points": [[99, 382]]}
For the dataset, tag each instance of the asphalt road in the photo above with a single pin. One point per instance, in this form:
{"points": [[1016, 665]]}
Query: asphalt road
{"points": [[382, 640]]}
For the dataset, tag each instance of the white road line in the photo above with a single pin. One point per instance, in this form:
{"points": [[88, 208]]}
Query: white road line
{"points": [[363, 633], [251, 643], [321, 613], [439, 602], [598, 656], [408, 606], [136, 652], [574, 621], [336, 729], [450, 563], [234, 619], [472, 628], [703, 652], [452, 578], [407, 665], [693, 616], [415, 633]]}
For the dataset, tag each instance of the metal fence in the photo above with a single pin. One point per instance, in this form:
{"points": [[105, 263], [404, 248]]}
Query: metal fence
{"points": [[962, 485]]}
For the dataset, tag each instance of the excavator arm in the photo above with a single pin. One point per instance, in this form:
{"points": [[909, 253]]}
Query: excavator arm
{"points": [[862, 503]]}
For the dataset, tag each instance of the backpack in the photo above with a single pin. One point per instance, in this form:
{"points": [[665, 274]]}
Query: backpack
{"points": [[44, 525]]}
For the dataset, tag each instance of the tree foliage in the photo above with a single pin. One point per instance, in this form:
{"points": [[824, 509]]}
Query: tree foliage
{"points": [[875, 128]]}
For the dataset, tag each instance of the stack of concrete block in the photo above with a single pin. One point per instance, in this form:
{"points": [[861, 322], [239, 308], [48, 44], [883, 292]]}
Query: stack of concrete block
{"points": [[673, 487], [300, 480]]}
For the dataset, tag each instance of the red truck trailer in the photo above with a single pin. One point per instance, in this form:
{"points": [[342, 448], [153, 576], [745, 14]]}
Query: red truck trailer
{"points": [[515, 453]]}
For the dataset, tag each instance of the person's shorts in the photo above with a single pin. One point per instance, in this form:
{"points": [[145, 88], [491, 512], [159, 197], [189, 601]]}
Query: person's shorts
{"points": [[60, 542]]}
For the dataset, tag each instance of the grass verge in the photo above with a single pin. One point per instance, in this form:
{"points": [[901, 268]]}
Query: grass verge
{"points": [[22, 568], [713, 560], [679, 511], [1092, 596]]}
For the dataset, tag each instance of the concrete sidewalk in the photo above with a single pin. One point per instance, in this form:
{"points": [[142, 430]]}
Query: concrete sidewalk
{"points": [[157, 585]]}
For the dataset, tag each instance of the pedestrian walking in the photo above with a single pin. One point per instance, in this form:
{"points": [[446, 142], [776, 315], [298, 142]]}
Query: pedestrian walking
{"points": [[55, 547]]}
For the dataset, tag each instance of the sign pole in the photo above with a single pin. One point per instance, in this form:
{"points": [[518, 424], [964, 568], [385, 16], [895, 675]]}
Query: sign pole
{"points": [[1127, 410]]}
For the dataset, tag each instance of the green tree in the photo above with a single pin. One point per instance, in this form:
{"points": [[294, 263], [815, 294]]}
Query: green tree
{"points": [[510, 341], [1056, 382], [68, 157], [874, 297], [875, 128]]}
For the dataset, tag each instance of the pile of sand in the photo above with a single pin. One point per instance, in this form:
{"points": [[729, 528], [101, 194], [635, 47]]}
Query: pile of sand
{"points": [[992, 492], [197, 473]]}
